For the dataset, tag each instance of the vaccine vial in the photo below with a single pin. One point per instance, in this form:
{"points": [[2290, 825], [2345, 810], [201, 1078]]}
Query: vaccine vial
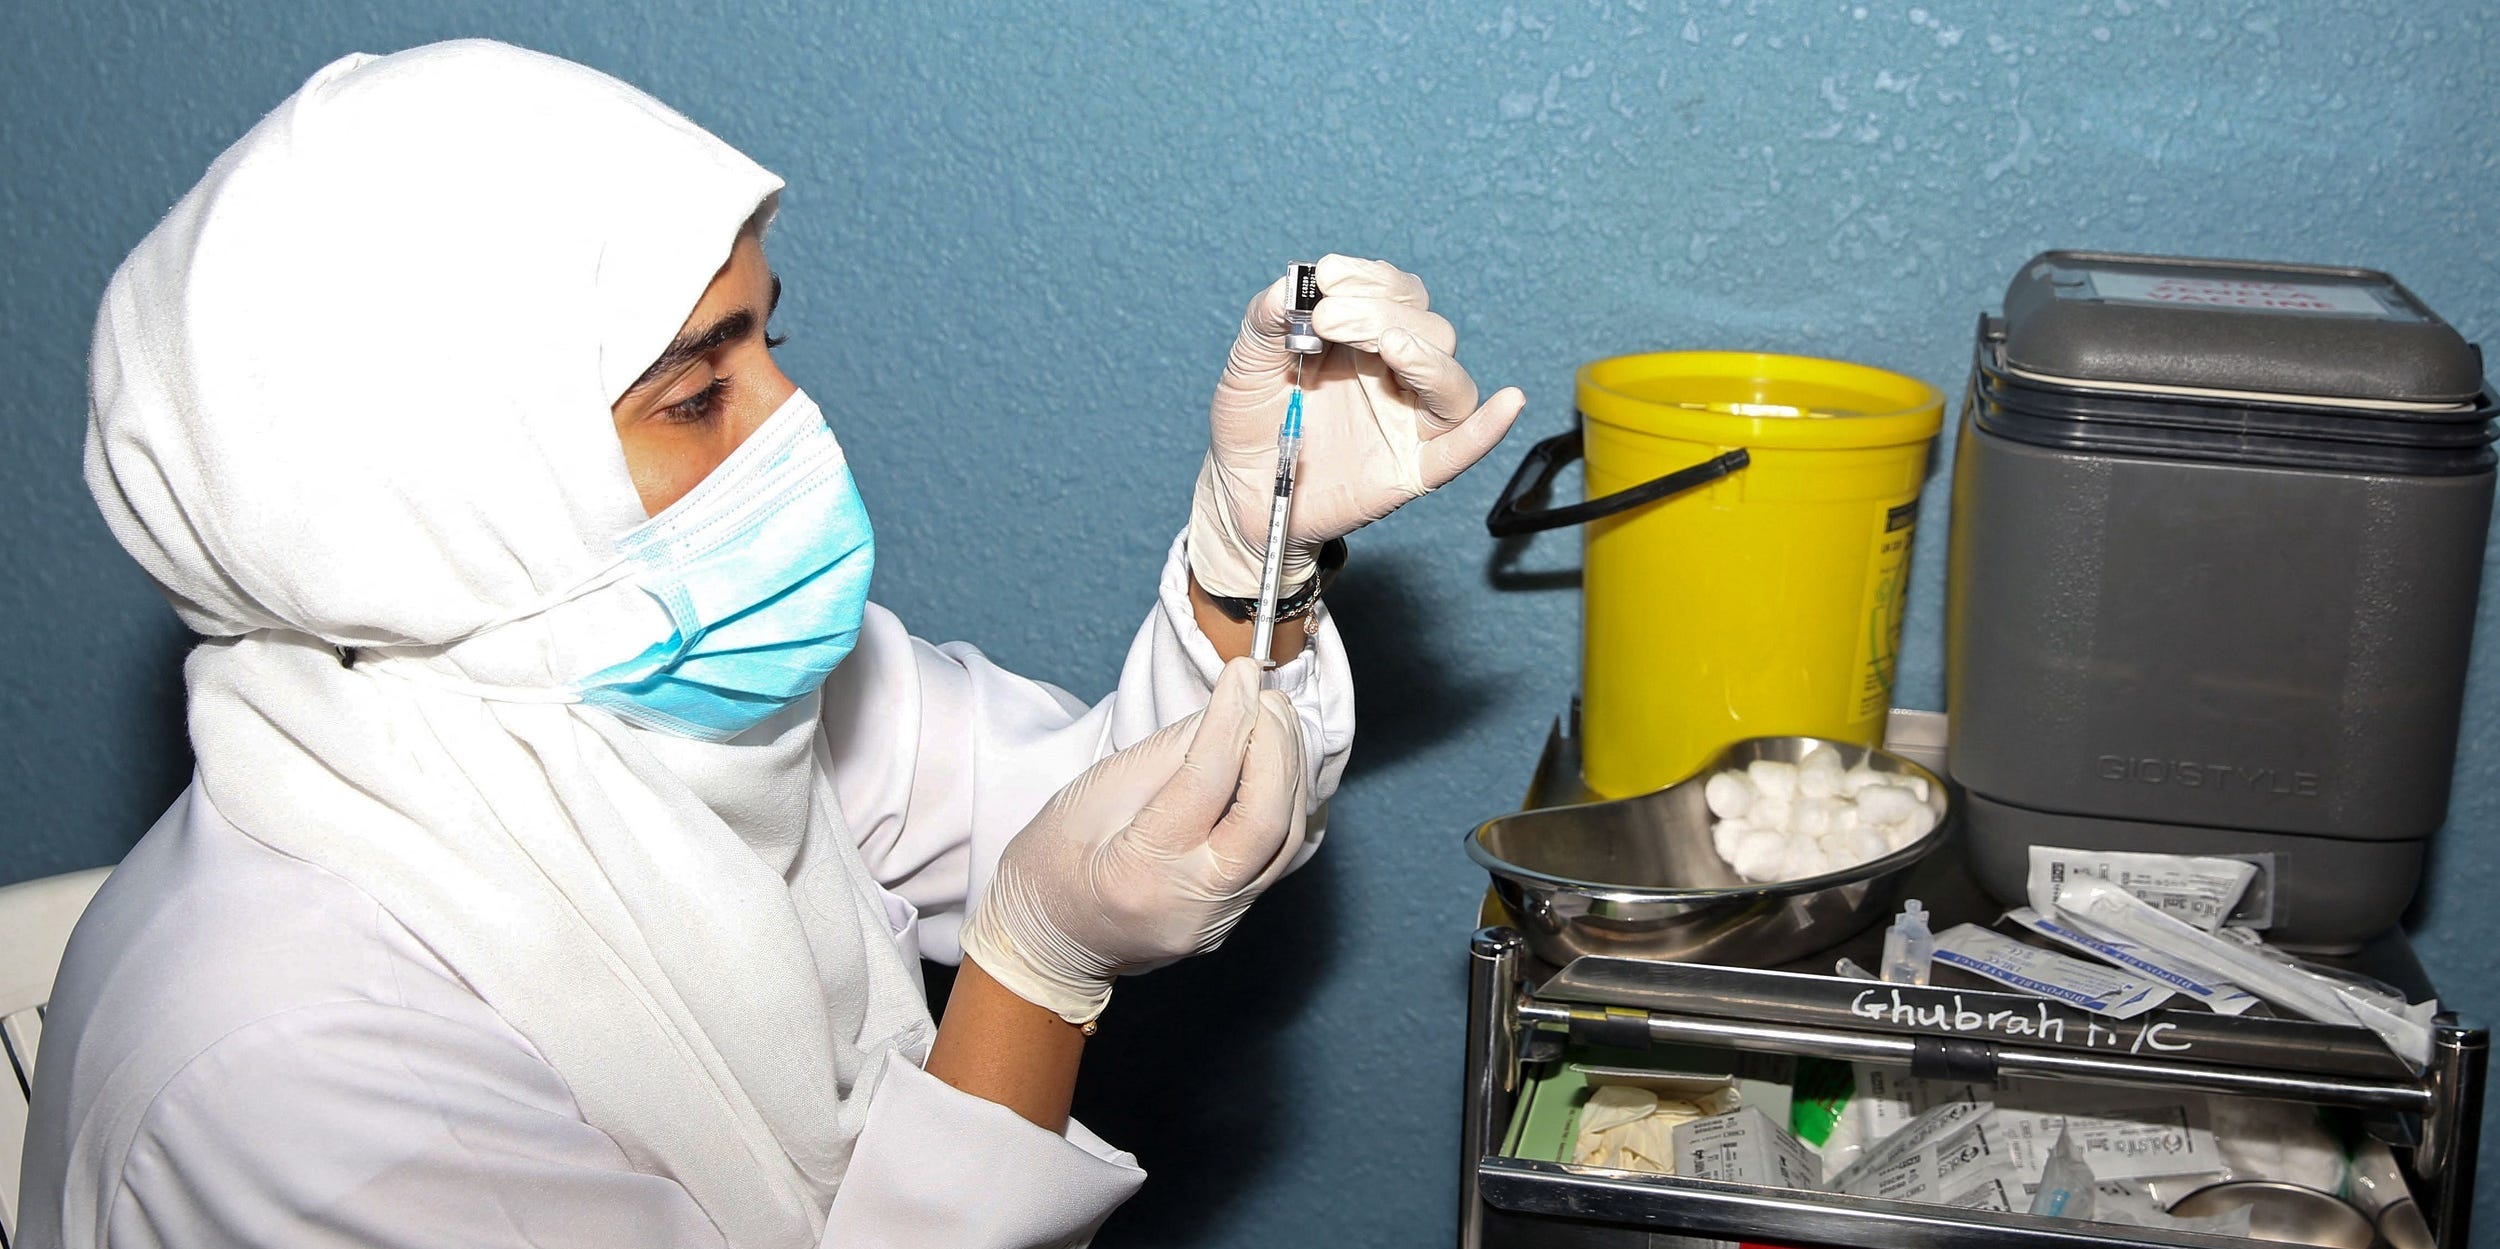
{"points": [[1299, 338]]}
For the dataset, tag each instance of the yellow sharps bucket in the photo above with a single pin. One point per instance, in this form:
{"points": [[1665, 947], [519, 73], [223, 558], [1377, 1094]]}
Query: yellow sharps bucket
{"points": [[1748, 551]]}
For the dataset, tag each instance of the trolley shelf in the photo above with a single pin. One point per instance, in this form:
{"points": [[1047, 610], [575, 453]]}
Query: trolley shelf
{"points": [[1521, 1014]]}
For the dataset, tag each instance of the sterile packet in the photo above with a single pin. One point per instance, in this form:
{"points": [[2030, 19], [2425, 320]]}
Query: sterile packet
{"points": [[1890, 1098], [2126, 1134], [2093, 987], [1965, 1167], [1745, 1147], [2202, 891], [1989, 1155], [1925, 1130], [2221, 995], [2105, 910], [1870, 1104], [2369, 989], [1958, 1172]]}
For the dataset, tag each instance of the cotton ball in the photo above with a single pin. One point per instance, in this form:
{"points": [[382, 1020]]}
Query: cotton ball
{"points": [[1804, 859], [1724, 837], [1896, 835], [1775, 814], [1814, 817], [1773, 778], [1729, 794], [1922, 820], [1759, 854], [1858, 845], [1858, 778], [1885, 804], [1819, 774], [1917, 785]]}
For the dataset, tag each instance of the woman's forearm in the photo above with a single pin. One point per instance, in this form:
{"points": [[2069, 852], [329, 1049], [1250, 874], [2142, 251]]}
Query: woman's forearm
{"points": [[1001, 1048], [1232, 637]]}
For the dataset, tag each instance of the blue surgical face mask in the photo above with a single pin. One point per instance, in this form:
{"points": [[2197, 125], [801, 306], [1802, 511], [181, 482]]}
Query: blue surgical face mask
{"points": [[763, 570]]}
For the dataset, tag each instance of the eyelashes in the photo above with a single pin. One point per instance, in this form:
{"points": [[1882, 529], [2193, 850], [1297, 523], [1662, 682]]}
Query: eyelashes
{"points": [[703, 405]]}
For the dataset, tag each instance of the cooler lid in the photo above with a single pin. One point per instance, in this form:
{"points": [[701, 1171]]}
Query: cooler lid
{"points": [[2247, 329]]}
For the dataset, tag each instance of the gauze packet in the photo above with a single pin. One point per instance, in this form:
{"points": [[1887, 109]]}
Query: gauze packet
{"points": [[2202, 891]]}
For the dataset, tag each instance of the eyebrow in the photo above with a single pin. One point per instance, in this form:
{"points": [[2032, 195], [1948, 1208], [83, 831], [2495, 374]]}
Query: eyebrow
{"points": [[697, 344]]}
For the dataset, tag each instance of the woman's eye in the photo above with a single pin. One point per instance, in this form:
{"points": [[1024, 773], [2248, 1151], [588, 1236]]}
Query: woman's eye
{"points": [[702, 405]]}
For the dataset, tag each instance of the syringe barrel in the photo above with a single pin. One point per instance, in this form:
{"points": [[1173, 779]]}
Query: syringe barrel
{"points": [[1263, 625], [1287, 452]]}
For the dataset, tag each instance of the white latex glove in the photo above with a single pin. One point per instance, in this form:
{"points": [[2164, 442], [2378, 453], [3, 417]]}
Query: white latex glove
{"points": [[1152, 855], [1387, 416]]}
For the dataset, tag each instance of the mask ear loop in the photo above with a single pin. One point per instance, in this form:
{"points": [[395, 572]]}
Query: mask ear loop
{"points": [[399, 663], [415, 672]]}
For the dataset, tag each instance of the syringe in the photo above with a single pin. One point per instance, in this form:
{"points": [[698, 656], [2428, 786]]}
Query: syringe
{"points": [[1304, 343]]}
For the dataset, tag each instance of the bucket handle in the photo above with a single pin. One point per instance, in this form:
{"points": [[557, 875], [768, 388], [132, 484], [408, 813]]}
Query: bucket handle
{"points": [[1547, 458]]}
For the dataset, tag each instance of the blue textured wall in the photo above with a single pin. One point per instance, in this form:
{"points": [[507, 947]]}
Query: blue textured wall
{"points": [[1017, 239]]}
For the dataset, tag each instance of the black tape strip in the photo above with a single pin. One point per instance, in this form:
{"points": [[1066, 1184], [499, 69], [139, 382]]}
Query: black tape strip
{"points": [[1611, 1027], [1957, 1059]]}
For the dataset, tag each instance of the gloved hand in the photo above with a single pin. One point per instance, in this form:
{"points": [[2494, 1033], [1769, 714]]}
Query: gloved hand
{"points": [[1152, 855], [1387, 416]]}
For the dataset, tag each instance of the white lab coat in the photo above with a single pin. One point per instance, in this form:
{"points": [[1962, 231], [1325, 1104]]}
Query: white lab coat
{"points": [[306, 1072]]}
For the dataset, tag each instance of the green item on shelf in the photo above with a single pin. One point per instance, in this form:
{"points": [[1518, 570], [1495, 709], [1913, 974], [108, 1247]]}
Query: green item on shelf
{"points": [[1824, 1088]]}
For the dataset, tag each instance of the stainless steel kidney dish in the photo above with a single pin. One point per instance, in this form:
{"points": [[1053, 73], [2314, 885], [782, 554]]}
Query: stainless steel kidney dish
{"points": [[1638, 878]]}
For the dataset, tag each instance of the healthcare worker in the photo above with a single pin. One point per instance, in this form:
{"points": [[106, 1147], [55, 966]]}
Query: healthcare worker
{"points": [[567, 826]]}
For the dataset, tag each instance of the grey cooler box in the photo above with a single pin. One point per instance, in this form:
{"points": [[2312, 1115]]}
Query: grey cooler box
{"points": [[2216, 542]]}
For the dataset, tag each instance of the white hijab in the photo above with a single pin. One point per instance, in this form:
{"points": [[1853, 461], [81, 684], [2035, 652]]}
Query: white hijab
{"points": [[354, 392]]}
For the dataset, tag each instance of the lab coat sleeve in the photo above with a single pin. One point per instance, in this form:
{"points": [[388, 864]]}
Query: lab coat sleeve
{"points": [[355, 1122], [360, 1123], [940, 757], [937, 1166]]}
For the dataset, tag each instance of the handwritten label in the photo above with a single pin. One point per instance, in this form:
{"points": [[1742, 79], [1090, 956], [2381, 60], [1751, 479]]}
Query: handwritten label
{"points": [[1887, 1004]]}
